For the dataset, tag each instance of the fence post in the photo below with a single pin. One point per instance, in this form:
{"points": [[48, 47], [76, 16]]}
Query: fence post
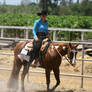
{"points": [[2, 33], [26, 34], [54, 35], [82, 67]]}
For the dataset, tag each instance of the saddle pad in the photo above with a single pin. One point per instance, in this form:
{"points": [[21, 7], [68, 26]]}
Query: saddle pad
{"points": [[23, 54], [24, 50]]}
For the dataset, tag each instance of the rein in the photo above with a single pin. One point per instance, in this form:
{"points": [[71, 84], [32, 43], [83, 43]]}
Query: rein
{"points": [[67, 59]]}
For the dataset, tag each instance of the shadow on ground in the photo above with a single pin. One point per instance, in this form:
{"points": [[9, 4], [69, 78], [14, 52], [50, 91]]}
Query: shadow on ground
{"points": [[55, 91]]}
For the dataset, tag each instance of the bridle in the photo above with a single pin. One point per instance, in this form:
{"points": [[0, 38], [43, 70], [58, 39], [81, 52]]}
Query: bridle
{"points": [[61, 55], [67, 60]]}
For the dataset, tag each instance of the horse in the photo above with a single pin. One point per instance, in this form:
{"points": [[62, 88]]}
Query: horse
{"points": [[50, 62]]}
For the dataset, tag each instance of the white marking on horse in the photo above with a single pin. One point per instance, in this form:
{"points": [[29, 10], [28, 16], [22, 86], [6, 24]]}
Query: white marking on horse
{"points": [[74, 59], [64, 47], [56, 47], [52, 46]]}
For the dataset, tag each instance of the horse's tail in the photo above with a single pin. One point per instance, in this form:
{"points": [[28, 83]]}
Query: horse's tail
{"points": [[13, 80]]}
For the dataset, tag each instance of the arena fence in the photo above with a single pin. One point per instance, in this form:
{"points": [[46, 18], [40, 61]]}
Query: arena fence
{"points": [[82, 42]]}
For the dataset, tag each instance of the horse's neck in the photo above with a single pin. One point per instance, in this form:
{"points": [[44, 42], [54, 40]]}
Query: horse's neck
{"points": [[61, 48]]}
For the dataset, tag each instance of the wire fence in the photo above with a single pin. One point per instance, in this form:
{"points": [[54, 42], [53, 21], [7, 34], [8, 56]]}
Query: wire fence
{"points": [[82, 42]]}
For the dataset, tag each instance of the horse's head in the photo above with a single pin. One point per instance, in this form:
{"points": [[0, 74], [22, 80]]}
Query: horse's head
{"points": [[71, 54]]}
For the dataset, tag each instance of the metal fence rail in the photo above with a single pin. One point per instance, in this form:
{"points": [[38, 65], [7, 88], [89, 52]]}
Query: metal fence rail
{"points": [[43, 72], [82, 42], [30, 28]]}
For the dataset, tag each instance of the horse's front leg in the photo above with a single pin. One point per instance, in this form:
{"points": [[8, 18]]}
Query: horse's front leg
{"points": [[25, 71], [47, 71], [56, 74]]}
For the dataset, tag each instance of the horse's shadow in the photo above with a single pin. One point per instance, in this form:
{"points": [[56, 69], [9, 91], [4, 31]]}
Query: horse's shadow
{"points": [[55, 91]]}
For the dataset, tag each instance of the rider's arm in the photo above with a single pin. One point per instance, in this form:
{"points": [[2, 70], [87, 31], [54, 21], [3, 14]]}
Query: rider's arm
{"points": [[34, 30], [48, 34]]}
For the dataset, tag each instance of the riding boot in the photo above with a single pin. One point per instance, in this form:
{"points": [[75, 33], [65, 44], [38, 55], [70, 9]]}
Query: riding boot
{"points": [[32, 56]]}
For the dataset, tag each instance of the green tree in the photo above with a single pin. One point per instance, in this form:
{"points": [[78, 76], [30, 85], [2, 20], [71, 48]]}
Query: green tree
{"points": [[44, 4], [25, 2], [49, 5], [70, 2], [63, 3], [86, 8]]}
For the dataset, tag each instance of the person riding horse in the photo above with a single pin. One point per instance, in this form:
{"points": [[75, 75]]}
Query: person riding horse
{"points": [[40, 32], [51, 61]]}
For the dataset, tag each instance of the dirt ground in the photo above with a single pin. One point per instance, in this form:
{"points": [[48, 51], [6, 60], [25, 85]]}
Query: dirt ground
{"points": [[37, 83]]}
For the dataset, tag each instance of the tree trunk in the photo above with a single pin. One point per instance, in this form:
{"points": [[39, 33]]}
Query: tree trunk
{"points": [[78, 1], [70, 2], [63, 2]]}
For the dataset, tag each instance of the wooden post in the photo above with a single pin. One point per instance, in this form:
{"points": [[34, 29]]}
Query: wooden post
{"points": [[54, 36], [2, 33], [26, 33]]}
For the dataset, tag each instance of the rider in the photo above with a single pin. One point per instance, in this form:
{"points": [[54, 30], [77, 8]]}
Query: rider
{"points": [[40, 32]]}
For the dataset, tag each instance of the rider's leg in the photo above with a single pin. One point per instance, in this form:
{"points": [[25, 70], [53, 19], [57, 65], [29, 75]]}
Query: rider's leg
{"points": [[35, 52]]}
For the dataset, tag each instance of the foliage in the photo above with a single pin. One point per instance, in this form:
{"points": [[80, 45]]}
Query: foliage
{"points": [[65, 15], [24, 9], [78, 22], [64, 8]]}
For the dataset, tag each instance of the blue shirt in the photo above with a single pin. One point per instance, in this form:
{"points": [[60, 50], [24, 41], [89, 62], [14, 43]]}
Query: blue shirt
{"points": [[39, 26]]}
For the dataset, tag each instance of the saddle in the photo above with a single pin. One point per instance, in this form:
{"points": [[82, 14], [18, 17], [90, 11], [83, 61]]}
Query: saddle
{"points": [[27, 53], [29, 46]]}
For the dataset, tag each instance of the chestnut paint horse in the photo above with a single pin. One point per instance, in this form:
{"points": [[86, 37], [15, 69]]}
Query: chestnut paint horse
{"points": [[51, 61]]}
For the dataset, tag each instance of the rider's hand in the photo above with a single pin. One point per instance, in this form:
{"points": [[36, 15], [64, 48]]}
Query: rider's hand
{"points": [[36, 39]]}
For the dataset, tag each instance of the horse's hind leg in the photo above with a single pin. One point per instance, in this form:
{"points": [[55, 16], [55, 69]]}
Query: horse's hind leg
{"points": [[13, 81], [56, 74], [25, 71]]}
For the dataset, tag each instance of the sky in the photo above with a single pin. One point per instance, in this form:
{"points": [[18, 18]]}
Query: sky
{"points": [[14, 2], [11, 2]]}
